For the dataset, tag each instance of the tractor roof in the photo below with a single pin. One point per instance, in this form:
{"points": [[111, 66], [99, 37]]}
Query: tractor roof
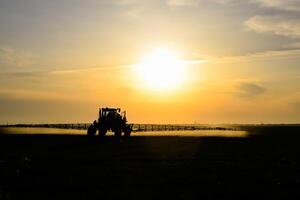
{"points": [[111, 109]]}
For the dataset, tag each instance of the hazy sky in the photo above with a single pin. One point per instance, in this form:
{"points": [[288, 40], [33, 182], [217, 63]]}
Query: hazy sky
{"points": [[62, 59]]}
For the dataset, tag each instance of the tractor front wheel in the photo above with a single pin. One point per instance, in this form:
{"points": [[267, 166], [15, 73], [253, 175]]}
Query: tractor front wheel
{"points": [[127, 131], [118, 133], [91, 131]]}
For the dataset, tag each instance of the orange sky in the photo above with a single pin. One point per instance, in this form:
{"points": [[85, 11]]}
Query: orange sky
{"points": [[241, 60]]}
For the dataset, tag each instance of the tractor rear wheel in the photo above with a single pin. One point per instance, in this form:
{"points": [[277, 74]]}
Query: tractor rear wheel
{"points": [[118, 133], [127, 131], [102, 132]]}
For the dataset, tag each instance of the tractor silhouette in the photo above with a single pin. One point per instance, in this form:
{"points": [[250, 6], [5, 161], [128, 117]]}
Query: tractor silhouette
{"points": [[110, 119]]}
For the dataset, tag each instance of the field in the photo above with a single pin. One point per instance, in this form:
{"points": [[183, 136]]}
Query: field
{"points": [[262, 162]]}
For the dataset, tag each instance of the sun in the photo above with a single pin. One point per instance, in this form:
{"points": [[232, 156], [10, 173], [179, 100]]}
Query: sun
{"points": [[161, 69]]}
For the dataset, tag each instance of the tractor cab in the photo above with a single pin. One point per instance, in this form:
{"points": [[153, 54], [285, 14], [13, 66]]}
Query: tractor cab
{"points": [[112, 114], [103, 112]]}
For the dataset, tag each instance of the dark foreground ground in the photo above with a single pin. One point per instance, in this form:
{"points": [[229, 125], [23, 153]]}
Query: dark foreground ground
{"points": [[264, 165]]}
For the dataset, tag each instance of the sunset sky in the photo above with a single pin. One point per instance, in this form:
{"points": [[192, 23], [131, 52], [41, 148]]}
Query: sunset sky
{"points": [[238, 60]]}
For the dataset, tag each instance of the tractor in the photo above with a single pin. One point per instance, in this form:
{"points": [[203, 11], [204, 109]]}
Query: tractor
{"points": [[110, 119]]}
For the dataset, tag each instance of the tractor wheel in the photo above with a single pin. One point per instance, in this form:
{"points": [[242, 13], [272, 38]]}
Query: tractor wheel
{"points": [[118, 133], [102, 132], [127, 131], [91, 131]]}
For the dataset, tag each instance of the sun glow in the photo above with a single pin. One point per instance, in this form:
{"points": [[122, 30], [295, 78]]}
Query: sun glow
{"points": [[162, 70]]}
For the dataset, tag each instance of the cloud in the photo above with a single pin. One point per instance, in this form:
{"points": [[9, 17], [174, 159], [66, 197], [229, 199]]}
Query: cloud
{"points": [[289, 5], [296, 105], [249, 89], [257, 56], [168, 2], [293, 45], [29, 110], [12, 58], [26, 94], [125, 2], [277, 25], [196, 2], [182, 2]]}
